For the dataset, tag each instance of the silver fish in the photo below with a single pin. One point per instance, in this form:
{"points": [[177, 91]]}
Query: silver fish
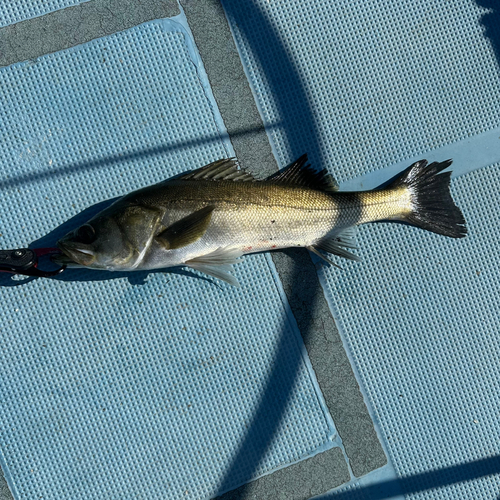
{"points": [[208, 218]]}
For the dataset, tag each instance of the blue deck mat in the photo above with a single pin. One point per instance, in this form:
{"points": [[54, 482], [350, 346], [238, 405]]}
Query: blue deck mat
{"points": [[388, 83], [13, 11], [129, 386], [430, 363]]}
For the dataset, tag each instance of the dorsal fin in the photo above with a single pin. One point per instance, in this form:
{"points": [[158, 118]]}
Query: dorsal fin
{"points": [[300, 174], [225, 169]]}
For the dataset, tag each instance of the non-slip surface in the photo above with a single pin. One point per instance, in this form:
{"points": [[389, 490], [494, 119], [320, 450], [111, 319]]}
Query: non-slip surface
{"points": [[120, 386], [13, 11], [373, 84], [430, 364], [383, 80]]}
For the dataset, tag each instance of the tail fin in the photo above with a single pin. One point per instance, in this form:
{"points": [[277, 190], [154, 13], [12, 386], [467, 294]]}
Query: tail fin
{"points": [[433, 206]]}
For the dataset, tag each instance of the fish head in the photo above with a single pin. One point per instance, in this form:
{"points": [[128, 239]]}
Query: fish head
{"points": [[116, 239], [100, 243]]}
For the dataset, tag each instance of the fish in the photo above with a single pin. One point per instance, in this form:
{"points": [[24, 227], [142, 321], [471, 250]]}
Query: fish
{"points": [[207, 219]]}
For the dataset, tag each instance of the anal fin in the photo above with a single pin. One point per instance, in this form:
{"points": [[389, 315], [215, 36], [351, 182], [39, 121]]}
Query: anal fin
{"points": [[337, 244], [321, 256], [218, 264]]}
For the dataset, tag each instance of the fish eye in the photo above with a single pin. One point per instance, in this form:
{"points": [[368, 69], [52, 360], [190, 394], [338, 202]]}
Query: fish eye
{"points": [[86, 233]]}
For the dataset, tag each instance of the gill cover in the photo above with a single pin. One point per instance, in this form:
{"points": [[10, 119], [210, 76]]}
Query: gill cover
{"points": [[115, 239]]}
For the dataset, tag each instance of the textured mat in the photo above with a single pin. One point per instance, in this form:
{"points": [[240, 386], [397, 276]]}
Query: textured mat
{"points": [[387, 81], [13, 11], [430, 362], [113, 389]]}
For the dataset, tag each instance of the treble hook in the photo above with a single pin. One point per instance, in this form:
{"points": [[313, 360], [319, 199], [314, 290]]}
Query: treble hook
{"points": [[25, 261]]}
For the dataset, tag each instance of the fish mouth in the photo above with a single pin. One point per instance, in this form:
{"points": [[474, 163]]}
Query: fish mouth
{"points": [[74, 253]]}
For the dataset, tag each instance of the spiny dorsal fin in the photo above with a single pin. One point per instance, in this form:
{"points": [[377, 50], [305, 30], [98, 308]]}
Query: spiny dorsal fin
{"points": [[187, 230], [300, 174], [225, 169]]}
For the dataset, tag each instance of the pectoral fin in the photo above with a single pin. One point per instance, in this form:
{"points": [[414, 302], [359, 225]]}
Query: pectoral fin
{"points": [[218, 264], [187, 230]]}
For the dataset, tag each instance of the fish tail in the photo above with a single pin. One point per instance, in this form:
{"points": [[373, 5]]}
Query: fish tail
{"points": [[432, 206]]}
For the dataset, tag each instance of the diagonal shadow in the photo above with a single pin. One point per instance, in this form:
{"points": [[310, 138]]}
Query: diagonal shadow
{"points": [[269, 413], [491, 24], [264, 424], [107, 161], [424, 481]]}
